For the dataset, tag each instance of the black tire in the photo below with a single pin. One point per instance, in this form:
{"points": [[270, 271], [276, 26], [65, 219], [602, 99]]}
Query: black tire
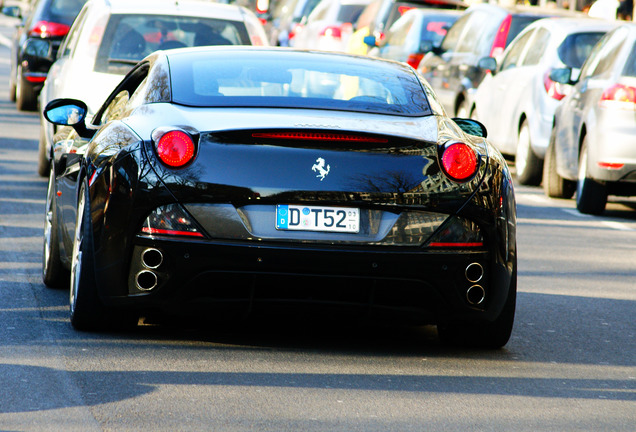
{"points": [[554, 185], [44, 163], [529, 167], [591, 195], [12, 79], [484, 334], [462, 110], [25, 97], [54, 275], [87, 312]]}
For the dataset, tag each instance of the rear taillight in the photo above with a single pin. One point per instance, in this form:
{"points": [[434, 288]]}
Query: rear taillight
{"points": [[175, 148], [553, 88], [262, 6], [459, 161], [499, 44], [47, 29], [404, 9], [331, 32], [414, 60], [170, 220], [294, 30], [619, 96], [458, 233]]}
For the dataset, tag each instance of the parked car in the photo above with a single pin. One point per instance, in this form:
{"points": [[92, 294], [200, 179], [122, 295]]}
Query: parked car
{"points": [[483, 30], [409, 37], [215, 176], [287, 18], [380, 15], [592, 148], [329, 25], [518, 99], [16, 8], [34, 47], [110, 36]]}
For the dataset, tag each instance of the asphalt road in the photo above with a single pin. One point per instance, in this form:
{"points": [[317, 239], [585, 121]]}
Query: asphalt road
{"points": [[570, 365]]}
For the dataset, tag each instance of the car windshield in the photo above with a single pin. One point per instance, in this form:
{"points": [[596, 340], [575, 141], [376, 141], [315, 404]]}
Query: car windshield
{"points": [[577, 47], [287, 79], [129, 38]]}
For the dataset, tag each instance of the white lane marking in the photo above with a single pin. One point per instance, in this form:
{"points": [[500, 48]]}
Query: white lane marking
{"points": [[5, 41]]}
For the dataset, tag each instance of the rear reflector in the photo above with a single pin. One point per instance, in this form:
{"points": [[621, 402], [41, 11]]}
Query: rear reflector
{"points": [[610, 165], [318, 136]]}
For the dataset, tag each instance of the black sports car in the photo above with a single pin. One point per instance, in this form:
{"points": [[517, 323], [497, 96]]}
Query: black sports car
{"points": [[221, 179]]}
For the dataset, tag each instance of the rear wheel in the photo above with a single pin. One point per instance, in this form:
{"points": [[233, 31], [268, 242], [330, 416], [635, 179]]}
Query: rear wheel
{"points": [[25, 99], [54, 274], [529, 167], [12, 85], [87, 311], [484, 334], [591, 195], [554, 185]]}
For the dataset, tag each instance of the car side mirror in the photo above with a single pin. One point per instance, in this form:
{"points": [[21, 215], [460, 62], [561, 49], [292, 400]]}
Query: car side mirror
{"points": [[370, 41], [12, 11], [488, 64], [562, 76], [471, 127], [68, 112]]}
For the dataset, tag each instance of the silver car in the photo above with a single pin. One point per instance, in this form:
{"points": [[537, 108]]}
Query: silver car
{"points": [[593, 144], [517, 102]]}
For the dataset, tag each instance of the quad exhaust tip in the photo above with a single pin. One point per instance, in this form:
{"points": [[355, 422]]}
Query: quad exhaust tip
{"points": [[152, 258], [475, 295], [146, 280]]}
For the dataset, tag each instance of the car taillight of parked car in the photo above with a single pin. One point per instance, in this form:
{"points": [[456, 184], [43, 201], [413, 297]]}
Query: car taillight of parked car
{"points": [[47, 29], [619, 96], [295, 29], [415, 59], [499, 43], [553, 89], [336, 32]]}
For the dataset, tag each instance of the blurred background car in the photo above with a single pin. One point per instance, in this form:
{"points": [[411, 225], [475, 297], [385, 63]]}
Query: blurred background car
{"points": [[286, 19], [16, 8], [329, 25], [34, 47], [483, 30], [517, 100], [380, 15], [409, 37], [592, 144], [110, 36]]}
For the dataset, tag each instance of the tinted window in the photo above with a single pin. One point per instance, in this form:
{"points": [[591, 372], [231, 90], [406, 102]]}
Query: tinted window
{"points": [[475, 29], [295, 80], [129, 38], [606, 55], [518, 23], [63, 11], [577, 47], [434, 27], [454, 33], [349, 13]]}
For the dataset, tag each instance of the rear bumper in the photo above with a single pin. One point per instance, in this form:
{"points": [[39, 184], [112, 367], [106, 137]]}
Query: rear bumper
{"points": [[415, 286]]}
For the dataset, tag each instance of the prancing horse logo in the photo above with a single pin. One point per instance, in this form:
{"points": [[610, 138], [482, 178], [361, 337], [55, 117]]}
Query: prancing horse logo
{"points": [[320, 167]]}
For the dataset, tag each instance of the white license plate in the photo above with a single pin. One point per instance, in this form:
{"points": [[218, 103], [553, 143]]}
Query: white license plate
{"points": [[314, 218]]}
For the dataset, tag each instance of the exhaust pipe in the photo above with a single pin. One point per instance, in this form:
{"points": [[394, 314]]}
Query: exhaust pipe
{"points": [[475, 295], [146, 280], [152, 258], [474, 272]]}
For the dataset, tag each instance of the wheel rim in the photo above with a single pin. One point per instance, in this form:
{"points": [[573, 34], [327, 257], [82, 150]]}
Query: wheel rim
{"points": [[76, 264], [523, 146], [48, 225]]}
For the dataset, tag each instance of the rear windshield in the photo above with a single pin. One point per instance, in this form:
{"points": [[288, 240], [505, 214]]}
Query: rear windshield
{"points": [[248, 78], [518, 23], [577, 47], [434, 27], [62, 11], [130, 38], [350, 13]]}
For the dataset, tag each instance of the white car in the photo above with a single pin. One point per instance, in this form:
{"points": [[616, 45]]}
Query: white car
{"points": [[329, 25], [516, 102], [109, 37]]}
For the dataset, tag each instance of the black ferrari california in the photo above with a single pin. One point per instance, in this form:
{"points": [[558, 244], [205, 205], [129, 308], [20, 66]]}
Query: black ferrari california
{"points": [[240, 179]]}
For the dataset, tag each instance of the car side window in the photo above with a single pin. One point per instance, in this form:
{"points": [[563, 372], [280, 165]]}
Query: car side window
{"points": [[604, 54], [396, 36], [70, 42], [470, 36], [454, 33], [513, 57], [537, 47], [116, 107]]}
